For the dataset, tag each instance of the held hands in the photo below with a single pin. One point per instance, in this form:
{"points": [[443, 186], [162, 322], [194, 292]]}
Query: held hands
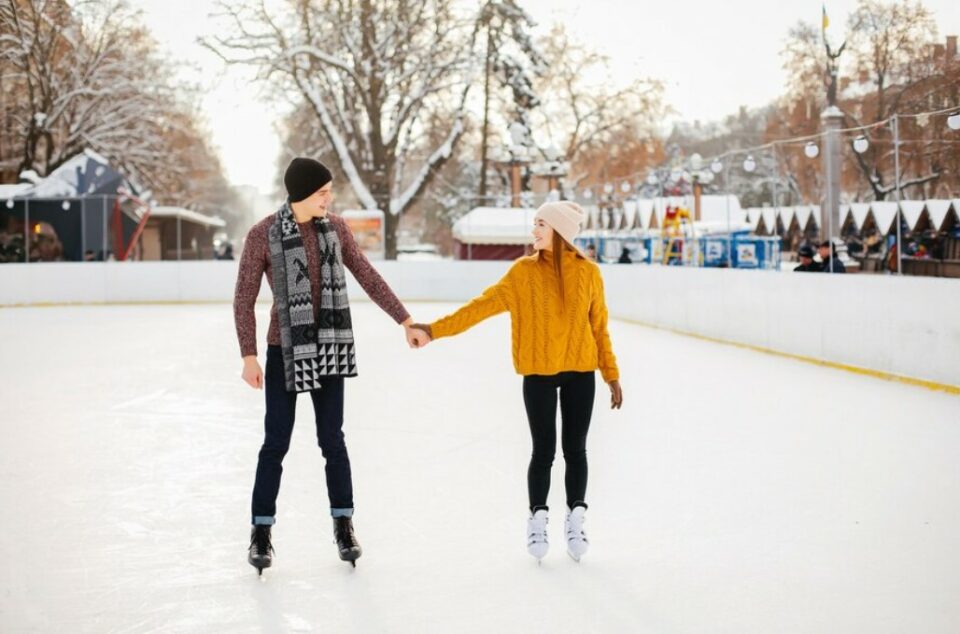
{"points": [[418, 335], [616, 394]]}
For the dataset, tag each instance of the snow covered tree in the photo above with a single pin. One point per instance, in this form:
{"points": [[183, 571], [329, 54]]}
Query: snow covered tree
{"points": [[372, 72], [513, 61], [87, 74], [86, 80]]}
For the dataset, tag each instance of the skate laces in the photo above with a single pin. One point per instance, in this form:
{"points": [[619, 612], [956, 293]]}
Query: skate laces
{"points": [[537, 530], [261, 538], [345, 532], [575, 523]]}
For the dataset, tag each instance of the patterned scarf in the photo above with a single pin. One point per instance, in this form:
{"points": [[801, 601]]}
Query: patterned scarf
{"points": [[311, 349]]}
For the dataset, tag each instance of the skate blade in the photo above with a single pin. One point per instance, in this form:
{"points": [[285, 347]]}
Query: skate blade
{"points": [[576, 558], [351, 556], [260, 566]]}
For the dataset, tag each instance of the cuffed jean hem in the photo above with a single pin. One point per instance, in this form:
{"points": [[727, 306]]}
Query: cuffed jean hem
{"points": [[341, 512], [264, 520]]}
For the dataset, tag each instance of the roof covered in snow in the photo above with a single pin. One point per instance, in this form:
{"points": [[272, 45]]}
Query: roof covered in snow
{"points": [[882, 212], [187, 214], [9, 191], [495, 225], [86, 174]]}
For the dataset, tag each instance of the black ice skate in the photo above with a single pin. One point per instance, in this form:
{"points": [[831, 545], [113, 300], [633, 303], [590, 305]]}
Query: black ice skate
{"points": [[346, 541], [260, 555]]}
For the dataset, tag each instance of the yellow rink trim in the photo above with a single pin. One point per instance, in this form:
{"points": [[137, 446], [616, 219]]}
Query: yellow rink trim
{"points": [[877, 374]]}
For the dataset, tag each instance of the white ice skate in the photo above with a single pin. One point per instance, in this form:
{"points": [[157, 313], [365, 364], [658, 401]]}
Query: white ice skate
{"points": [[577, 543], [537, 544]]}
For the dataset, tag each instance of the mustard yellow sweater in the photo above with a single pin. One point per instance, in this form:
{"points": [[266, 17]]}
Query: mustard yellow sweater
{"points": [[548, 337]]}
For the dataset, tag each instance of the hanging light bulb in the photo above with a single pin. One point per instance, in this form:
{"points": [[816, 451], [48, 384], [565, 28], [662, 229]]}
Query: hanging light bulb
{"points": [[608, 188], [749, 164], [954, 121], [923, 120], [652, 179], [812, 150], [10, 204], [625, 187], [65, 205], [860, 144], [587, 194], [716, 166], [696, 162]]}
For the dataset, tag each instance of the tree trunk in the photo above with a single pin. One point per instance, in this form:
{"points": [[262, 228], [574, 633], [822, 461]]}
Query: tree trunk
{"points": [[391, 223], [380, 190], [486, 119]]}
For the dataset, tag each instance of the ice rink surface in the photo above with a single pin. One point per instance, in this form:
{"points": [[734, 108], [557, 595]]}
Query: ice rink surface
{"points": [[735, 492]]}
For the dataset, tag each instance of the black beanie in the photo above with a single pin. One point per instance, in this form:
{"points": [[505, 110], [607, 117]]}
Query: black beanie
{"points": [[303, 177]]}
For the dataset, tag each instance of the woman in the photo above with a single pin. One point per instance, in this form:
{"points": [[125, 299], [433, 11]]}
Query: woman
{"points": [[559, 330]]}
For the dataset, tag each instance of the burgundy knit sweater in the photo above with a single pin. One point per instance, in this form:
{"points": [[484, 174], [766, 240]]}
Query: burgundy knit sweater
{"points": [[255, 261]]}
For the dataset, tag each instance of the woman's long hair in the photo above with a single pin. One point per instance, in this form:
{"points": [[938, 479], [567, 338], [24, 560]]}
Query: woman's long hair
{"points": [[559, 246]]}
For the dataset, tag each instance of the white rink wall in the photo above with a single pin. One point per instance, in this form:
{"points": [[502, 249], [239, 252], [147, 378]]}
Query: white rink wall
{"points": [[904, 326]]}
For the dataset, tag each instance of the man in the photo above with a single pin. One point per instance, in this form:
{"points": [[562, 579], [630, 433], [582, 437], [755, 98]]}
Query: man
{"points": [[831, 263], [592, 252], [807, 265], [303, 249]]}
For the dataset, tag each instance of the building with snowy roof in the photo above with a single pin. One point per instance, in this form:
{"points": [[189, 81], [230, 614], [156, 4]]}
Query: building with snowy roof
{"points": [[493, 233], [88, 210]]}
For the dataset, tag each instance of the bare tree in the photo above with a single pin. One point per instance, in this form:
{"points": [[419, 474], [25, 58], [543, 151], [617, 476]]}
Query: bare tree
{"points": [[580, 111], [892, 44], [372, 72], [892, 68], [805, 62]]}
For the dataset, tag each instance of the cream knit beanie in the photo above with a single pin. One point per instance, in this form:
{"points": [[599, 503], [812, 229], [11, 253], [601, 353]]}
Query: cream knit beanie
{"points": [[563, 216]]}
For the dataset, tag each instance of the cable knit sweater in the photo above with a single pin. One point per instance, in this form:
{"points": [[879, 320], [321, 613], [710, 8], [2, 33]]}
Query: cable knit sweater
{"points": [[255, 262], [548, 337]]}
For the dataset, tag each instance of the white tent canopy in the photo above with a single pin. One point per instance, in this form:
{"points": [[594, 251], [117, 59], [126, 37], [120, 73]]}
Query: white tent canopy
{"points": [[644, 213], [714, 209], [912, 210], [938, 211], [883, 212], [859, 211]]}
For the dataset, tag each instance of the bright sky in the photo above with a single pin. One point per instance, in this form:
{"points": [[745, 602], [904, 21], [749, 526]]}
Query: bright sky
{"points": [[714, 58]]}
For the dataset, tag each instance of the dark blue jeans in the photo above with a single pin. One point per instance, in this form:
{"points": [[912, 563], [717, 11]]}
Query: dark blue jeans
{"points": [[278, 426], [576, 392]]}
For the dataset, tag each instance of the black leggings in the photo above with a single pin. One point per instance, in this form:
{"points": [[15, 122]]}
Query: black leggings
{"points": [[577, 390]]}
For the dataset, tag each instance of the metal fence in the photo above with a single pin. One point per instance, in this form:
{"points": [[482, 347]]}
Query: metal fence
{"points": [[94, 229]]}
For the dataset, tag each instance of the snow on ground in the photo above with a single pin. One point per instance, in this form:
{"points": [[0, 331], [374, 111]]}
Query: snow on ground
{"points": [[735, 492]]}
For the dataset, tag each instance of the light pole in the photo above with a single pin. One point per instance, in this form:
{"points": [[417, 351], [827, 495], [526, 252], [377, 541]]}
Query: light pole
{"points": [[553, 169], [896, 177]]}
